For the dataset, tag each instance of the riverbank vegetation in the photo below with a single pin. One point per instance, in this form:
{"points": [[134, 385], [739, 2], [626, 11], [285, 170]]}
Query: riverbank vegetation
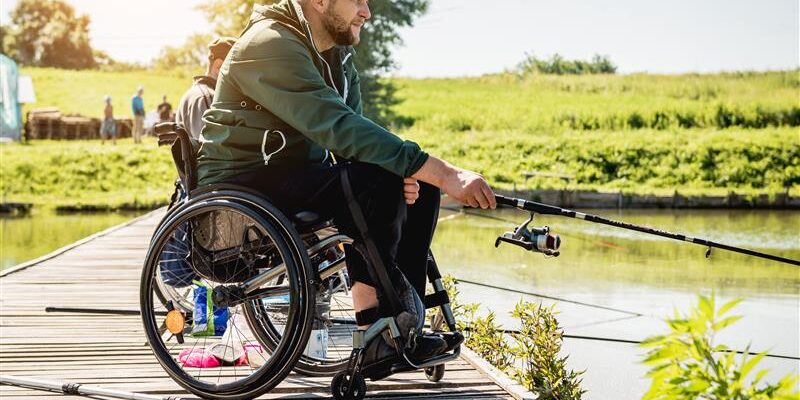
{"points": [[87, 175], [640, 134], [687, 363], [529, 355]]}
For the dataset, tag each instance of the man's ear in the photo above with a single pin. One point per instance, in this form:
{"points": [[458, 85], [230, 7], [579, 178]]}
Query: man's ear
{"points": [[319, 5]]}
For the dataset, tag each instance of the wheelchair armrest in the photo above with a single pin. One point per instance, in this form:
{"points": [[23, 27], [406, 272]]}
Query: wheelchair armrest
{"points": [[167, 139], [165, 127]]}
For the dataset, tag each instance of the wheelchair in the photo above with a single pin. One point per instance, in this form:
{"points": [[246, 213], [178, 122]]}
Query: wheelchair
{"points": [[235, 294]]}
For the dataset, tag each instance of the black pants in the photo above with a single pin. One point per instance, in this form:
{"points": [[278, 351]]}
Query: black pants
{"points": [[401, 233]]}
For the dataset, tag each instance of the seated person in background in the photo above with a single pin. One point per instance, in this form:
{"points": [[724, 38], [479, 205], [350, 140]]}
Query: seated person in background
{"points": [[164, 110], [198, 98], [287, 104]]}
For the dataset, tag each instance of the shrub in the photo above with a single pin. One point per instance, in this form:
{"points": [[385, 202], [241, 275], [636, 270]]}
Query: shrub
{"points": [[530, 355], [686, 364], [538, 345]]}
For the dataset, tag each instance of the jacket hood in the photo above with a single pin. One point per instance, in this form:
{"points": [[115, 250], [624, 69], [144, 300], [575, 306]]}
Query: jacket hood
{"points": [[285, 12]]}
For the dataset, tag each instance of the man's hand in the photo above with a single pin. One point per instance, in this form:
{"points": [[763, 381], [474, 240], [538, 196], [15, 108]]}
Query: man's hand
{"points": [[467, 187], [410, 190]]}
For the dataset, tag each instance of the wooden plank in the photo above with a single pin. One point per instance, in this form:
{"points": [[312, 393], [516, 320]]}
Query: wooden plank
{"points": [[110, 350]]}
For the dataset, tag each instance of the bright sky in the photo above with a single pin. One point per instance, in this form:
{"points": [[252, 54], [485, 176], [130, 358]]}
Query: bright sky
{"points": [[469, 37]]}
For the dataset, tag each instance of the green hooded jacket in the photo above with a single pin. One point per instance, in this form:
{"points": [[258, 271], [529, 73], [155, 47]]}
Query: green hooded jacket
{"points": [[279, 102]]}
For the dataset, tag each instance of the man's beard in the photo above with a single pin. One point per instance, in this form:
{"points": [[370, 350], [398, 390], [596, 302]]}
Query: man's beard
{"points": [[338, 28]]}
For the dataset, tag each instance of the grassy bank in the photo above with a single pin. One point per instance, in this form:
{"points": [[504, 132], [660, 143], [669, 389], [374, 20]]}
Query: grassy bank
{"points": [[646, 161], [602, 102], [645, 134], [87, 175], [82, 92]]}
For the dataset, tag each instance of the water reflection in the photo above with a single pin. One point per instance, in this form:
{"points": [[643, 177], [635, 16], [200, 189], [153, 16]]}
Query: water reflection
{"points": [[27, 237], [596, 257]]}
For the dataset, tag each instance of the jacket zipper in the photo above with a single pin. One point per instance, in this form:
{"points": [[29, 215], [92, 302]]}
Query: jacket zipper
{"points": [[346, 85], [327, 66]]}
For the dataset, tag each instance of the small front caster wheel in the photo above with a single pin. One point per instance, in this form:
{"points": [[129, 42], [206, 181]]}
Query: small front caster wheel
{"points": [[435, 373], [340, 383]]}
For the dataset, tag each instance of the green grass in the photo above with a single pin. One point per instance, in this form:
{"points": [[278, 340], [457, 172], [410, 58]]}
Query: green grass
{"points": [[82, 92], [643, 161], [699, 134], [86, 174], [612, 102]]}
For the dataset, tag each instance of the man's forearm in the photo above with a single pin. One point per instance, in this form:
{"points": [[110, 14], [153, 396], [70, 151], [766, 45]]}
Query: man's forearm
{"points": [[465, 186], [434, 171]]}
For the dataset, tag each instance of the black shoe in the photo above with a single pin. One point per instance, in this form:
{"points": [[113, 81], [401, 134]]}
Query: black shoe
{"points": [[427, 346], [378, 359], [453, 339]]}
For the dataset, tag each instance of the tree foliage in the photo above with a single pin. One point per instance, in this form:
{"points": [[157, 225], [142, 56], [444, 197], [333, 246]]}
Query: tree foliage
{"points": [[192, 54], [48, 33], [558, 65], [373, 54]]}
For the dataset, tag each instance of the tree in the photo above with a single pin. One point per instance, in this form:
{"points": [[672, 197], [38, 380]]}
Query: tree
{"points": [[48, 33], [373, 55], [192, 54]]}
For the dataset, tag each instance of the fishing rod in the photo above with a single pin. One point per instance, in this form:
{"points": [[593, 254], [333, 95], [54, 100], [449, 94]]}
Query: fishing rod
{"points": [[542, 241], [77, 389]]}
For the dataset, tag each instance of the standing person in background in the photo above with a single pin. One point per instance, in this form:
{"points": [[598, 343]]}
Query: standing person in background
{"points": [[137, 106], [164, 110], [199, 97], [109, 127]]}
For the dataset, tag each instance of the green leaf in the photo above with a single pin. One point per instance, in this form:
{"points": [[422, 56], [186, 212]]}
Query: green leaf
{"points": [[725, 322], [751, 363], [728, 306]]}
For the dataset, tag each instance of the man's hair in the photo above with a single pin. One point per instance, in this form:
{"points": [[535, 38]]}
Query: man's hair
{"points": [[219, 47]]}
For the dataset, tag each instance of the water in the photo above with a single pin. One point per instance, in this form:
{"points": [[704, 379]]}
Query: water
{"points": [[634, 273], [24, 238]]}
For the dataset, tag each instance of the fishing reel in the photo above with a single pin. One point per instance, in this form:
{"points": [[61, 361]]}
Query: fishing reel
{"points": [[538, 240]]}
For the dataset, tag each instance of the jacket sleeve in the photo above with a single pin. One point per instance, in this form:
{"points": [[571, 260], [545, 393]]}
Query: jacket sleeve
{"points": [[190, 112], [280, 75]]}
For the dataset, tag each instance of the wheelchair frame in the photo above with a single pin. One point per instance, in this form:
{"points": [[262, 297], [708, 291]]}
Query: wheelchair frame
{"points": [[348, 382]]}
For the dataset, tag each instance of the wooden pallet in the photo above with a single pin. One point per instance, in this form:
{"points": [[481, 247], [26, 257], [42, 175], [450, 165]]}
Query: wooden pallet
{"points": [[110, 351]]}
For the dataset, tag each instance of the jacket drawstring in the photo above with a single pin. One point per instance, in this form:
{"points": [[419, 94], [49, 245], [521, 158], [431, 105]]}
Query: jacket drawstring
{"points": [[264, 145]]}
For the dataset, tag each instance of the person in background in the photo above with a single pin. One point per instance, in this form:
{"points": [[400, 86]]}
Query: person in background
{"points": [[109, 127], [164, 110], [199, 97], [137, 106]]}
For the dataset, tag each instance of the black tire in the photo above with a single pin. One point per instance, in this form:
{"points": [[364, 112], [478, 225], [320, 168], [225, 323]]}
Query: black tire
{"points": [[339, 332], [340, 338], [339, 384], [256, 381], [435, 373]]}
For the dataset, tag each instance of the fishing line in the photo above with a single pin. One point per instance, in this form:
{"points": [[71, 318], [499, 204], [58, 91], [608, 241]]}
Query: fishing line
{"points": [[628, 341], [551, 297]]}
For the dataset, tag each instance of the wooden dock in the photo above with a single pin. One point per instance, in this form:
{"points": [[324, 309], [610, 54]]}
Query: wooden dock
{"points": [[109, 350]]}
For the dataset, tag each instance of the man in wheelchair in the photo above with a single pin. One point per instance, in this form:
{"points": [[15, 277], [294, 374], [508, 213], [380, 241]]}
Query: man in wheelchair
{"points": [[287, 121]]}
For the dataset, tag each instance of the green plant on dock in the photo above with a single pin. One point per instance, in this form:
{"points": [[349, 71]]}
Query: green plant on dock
{"points": [[687, 364], [538, 345], [487, 339], [531, 355]]}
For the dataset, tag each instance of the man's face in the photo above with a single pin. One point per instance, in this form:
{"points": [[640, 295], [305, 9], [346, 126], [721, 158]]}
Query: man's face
{"points": [[343, 20]]}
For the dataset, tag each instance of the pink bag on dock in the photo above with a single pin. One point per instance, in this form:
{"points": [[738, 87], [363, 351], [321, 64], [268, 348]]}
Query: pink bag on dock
{"points": [[198, 358]]}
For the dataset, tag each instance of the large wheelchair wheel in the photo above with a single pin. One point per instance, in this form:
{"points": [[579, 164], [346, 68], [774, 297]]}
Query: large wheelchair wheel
{"points": [[242, 254], [330, 345]]}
